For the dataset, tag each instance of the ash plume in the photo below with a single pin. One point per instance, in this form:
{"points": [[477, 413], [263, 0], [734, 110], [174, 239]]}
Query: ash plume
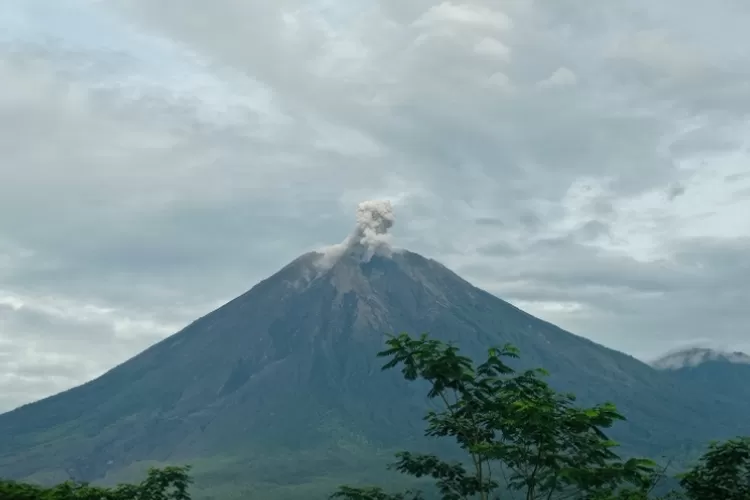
{"points": [[370, 236], [374, 219]]}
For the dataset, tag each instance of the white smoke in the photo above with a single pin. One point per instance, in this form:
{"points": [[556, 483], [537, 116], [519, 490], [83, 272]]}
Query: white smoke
{"points": [[370, 236]]}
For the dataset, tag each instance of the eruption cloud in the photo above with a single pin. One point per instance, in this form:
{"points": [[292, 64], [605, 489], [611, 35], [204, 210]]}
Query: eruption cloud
{"points": [[370, 236]]}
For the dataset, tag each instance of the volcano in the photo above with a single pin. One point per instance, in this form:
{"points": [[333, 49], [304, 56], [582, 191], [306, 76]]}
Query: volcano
{"points": [[282, 386]]}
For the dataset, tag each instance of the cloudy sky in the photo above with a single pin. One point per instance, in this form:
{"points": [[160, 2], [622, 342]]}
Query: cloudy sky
{"points": [[587, 161]]}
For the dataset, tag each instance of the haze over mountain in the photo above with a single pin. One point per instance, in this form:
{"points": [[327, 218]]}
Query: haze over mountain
{"points": [[281, 386]]}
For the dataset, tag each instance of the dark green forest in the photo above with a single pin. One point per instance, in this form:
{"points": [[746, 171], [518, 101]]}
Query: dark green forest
{"points": [[519, 438]]}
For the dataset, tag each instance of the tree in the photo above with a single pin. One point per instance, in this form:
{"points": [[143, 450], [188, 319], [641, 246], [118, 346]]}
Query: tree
{"points": [[169, 483], [512, 426], [722, 473]]}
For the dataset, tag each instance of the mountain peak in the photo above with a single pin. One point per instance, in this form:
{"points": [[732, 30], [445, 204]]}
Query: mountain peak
{"points": [[695, 356]]}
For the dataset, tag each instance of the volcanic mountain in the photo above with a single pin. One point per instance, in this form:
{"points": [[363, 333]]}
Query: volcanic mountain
{"points": [[281, 385]]}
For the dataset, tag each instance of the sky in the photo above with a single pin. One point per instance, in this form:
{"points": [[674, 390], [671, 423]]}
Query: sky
{"points": [[587, 162]]}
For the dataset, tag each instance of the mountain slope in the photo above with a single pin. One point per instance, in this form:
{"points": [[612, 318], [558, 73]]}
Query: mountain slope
{"points": [[289, 368]]}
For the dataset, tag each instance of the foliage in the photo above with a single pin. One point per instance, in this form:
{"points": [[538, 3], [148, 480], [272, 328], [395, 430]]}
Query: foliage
{"points": [[513, 427], [169, 483], [723, 473]]}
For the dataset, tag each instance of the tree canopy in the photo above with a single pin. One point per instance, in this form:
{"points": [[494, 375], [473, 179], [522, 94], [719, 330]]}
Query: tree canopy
{"points": [[521, 437], [169, 483]]}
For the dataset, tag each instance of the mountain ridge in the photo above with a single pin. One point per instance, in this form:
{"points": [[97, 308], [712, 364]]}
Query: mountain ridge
{"points": [[695, 356]]}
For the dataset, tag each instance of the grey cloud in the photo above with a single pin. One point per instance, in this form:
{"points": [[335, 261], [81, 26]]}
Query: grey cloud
{"points": [[489, 221], [445, 120], [530, 220], [742, 195], [593, 229], [704, 141], [632, 304], [675, 190], [499, 249], [737, 177]]}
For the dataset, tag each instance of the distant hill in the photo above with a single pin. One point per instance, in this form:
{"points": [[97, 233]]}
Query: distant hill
{"points": [[278, 394], [722, 375], [686, 359]]}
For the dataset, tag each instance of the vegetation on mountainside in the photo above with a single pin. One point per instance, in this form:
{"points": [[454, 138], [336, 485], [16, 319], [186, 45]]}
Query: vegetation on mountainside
{"points": [[723, 472], [169, 483], [523, 440]]}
